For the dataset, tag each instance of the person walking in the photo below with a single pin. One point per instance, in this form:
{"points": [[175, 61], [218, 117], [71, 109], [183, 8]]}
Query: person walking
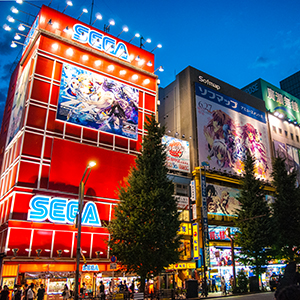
{"points": [[41, 292], [213, 285], [30, 292], [223, 286], [102, 291], [4, 293], [18, 293], [66, 292]]}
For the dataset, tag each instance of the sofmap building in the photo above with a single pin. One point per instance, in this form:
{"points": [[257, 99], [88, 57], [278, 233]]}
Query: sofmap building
{"points": [[220, 122], [78, 95]]}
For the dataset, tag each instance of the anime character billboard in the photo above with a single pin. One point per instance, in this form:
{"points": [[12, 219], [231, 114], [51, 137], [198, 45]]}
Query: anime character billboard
{"points": [[178, 154], [228, 128], [291, 156], [95, 101], [17, 113], [222, 200]]}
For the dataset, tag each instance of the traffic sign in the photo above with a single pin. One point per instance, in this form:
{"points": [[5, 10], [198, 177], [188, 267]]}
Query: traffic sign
{"points": [[113, 266], [113, 259]]}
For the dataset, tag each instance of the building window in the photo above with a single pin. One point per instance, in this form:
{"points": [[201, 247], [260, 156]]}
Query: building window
{"points": [[286, 133], [292, 136], [297, 138], [274, 129], [280, 130], [181, 189]]}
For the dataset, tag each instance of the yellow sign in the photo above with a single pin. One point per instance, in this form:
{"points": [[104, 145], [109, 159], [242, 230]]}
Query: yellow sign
{"points": [[185, 229], [196, 241], [182, 266]]}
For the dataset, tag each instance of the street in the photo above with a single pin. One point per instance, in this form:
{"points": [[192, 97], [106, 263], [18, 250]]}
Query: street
{"points": [[258, 296]]}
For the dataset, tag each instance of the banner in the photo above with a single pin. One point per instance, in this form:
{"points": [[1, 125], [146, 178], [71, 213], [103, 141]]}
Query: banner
{"points": [[228, 128], [98, 102], [178, 154]]}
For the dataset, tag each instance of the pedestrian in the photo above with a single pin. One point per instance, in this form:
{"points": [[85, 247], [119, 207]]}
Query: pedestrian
{"points": [[102, 291], [18, 293], [41, 292], [83, 289], [30, 292], [121, 287], [291, 292], [213, 285], [231, 281], [290, 277], [66, 292], [4, 293], [131, 289], [25, 290], [223, 286]]}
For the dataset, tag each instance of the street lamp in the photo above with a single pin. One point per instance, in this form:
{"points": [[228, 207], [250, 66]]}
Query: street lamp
{"points": [[83, 181]]}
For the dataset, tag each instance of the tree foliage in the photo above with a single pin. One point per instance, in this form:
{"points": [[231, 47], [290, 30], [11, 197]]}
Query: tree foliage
{"points": [[286, 211], [253, 220], [144, 230]]}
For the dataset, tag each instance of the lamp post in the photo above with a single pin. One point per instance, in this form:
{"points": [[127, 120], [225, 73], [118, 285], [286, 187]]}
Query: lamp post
{"points": [[83, 181]]}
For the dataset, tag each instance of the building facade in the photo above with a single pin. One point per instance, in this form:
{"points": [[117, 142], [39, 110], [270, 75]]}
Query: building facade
{"points": [[220, 122], [291, 84], [78, 95]]}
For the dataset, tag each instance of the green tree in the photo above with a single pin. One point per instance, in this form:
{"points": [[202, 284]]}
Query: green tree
{"points": [[286, 211], [144, 230], [253, 220]]}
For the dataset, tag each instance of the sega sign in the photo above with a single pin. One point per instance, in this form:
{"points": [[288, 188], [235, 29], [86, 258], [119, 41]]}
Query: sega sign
{"points": [[61, 210], [99, 41], [90, 268]]}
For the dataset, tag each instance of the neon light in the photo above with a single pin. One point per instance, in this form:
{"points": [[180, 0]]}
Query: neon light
{"points": [[99, 41], [61, 210], [90, 268]]}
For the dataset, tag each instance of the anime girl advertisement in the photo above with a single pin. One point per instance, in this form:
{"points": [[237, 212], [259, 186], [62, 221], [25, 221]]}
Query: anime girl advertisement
{"points": [[17, 113], [222, 200], [95, 101], [228, 128]]}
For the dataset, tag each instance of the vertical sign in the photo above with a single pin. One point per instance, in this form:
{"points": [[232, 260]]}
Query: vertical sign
{"points": [[193, 190], [196, 240], [205, 221]]}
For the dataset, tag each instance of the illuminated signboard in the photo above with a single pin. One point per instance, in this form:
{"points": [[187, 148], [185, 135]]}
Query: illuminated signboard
{"points": [[222, 200], [185, 229], [228, 128], [182, 202], [99, 41], [178, 154], [61, 210], [31, 34], [17, 113], [182, 266], [96, 101], [219, 233], [90, 267], [276, 100], [196, 246]]}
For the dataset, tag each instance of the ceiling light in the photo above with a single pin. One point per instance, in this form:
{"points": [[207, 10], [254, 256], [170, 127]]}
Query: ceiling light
{"points": [[98, 63], [111, 67], [122, 72], [135, 77], [70, 51], [85, 57]]}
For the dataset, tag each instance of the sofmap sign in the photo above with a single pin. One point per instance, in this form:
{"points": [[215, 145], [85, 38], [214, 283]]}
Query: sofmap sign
{"points": [[61, 210], [99, 41]]}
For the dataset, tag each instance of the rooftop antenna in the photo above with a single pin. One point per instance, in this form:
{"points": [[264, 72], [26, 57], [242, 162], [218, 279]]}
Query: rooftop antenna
{"points": [[91, 12]]}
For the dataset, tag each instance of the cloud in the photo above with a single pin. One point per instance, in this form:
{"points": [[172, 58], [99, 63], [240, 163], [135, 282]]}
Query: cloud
{"points": [[5, 41], [263, 62]]}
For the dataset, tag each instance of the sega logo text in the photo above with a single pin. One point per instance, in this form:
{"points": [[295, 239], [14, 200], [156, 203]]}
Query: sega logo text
{"points": [[61, 210], [99, 41]]}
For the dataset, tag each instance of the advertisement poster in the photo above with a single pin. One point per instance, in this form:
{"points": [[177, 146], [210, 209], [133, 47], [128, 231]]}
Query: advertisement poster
{"points": [[220, 233], [222, 200], [291, 156], [178, 154], [17, 113], [92, 100], [226, 129]]}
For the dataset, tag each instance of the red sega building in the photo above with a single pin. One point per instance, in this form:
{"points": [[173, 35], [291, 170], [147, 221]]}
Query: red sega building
{"points": [[77, 95]]}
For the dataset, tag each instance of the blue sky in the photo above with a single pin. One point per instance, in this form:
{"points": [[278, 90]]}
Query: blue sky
{"points": [[235, 41]]}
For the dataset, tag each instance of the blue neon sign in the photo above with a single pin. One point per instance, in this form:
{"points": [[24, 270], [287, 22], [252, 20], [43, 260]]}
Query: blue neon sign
{"points": [[61, 210]]}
